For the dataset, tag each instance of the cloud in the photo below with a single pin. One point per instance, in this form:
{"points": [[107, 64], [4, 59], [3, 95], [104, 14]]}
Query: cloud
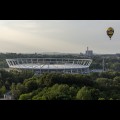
{"points": [[59, 35]]}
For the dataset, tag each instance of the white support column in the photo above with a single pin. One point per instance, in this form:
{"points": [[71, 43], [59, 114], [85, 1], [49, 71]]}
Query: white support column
{"points": [[26, 61], [88, 70], [81, 63], [81, 70], [22, 61], [48, 67], [87, 63], [17, 62], [31, 60], [8, 62], [13, 63], [77, 62], [68, 60], [43, 61], [4, 96], [40, 69], [36, 60], [64, 67], [84, 62], [77, 70]]}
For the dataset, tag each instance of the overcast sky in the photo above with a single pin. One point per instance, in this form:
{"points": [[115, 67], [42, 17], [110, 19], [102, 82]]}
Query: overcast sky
{"points": [[64, 36]]}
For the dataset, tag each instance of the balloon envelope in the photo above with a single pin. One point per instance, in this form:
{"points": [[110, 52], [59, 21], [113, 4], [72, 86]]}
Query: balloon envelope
{"points": [[110, 32]]}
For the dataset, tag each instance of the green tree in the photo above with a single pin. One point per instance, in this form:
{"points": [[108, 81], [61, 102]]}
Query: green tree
{"points": [[115, 66], [56, 92], [13, 88], [21, 88], [116, 81], [104, 83], [31, 85], [15, 92], [111, 98], [7, 85], [101, 99], [25, 96], [95, 93], [84, 94], [3, 90], [1, 84]]}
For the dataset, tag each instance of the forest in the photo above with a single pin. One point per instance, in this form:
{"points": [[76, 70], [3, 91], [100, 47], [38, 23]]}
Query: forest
{"points": [[56, 86]]}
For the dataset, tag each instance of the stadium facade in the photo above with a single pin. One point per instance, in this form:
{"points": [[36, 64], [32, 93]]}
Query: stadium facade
{"points": [[42, 65]]}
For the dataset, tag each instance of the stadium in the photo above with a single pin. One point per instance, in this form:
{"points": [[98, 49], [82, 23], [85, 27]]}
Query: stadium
{"points": [[43, 65]]}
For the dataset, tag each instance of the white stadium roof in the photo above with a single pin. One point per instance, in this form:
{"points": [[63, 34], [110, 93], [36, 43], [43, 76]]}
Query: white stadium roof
{"points": [[55, 66], [49, 63]]}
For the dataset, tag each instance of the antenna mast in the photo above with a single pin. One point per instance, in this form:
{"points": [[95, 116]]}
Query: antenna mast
{"points": [[103, 65]]}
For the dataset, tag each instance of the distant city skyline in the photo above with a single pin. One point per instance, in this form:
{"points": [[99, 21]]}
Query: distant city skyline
{"points": [[62, 36]]}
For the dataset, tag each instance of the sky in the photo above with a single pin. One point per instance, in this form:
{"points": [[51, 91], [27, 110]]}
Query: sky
{"points": [[63, 36]]}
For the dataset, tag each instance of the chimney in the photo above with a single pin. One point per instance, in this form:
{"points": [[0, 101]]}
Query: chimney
{"points": [[87, 48]]}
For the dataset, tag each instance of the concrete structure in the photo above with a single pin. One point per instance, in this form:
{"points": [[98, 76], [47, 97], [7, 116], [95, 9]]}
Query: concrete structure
{"points": [[42, 65], [7, 96], [89, 52]]}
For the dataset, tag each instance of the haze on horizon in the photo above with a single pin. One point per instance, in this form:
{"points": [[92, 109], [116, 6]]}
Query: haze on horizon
{"points": [[64, 36]]}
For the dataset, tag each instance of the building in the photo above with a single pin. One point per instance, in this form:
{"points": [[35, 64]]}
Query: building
{"points": [[89, 52]]}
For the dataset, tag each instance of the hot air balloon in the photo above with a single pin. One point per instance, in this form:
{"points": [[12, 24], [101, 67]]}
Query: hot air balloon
{"points": [[110, 32]]}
